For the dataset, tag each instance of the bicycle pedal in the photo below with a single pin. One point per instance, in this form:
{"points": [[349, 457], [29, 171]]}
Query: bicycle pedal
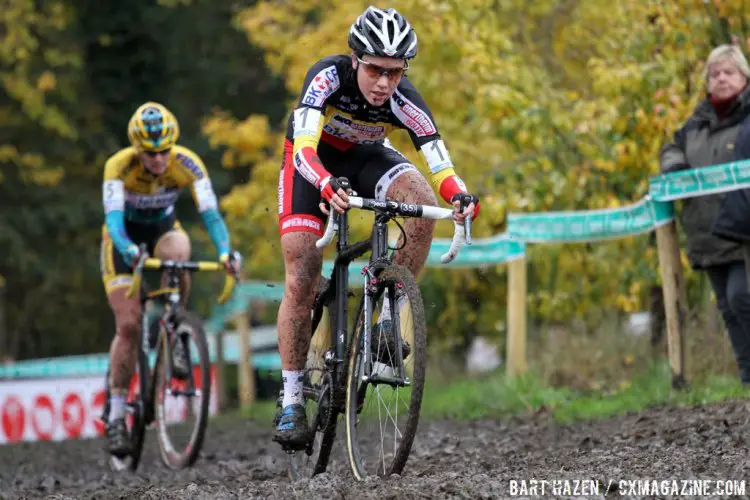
{"points": [[291, 448], [173, 392]]}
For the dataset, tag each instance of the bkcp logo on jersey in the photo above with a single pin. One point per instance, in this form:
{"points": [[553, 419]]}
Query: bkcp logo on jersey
{"points": [[324, 84]]}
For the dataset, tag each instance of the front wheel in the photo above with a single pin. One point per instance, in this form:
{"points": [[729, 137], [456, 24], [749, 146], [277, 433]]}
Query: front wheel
{"points": [[182, 404], [384, 386]]}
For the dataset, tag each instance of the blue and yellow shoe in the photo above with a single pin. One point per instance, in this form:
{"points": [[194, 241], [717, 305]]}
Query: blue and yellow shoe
{"points": [[292, 431]]}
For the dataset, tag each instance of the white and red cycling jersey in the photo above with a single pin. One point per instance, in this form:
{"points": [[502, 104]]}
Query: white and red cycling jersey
{"points": [[333, 110]]}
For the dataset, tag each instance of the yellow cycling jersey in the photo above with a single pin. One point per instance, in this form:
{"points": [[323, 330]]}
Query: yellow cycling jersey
{"points": [[129, 187]]}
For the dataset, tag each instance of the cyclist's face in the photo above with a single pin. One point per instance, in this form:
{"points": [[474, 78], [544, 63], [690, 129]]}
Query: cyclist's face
{"points": [[378, 77], [155, 163]]}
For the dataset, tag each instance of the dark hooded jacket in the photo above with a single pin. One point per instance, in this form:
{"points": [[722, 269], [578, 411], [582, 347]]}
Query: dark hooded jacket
{"points": [[733, 221], [702, 141]]}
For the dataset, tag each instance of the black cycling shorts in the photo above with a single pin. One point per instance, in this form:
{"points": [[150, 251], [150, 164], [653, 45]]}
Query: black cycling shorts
{"points": [[115, 271], [370, 168]]}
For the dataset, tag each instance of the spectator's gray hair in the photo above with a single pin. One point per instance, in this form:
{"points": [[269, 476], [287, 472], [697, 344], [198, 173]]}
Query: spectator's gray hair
{"points": [[731, 51]]}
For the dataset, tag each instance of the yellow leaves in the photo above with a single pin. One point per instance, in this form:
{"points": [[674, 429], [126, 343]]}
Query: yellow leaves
{"points": [[523, 138], [33, 57], [7, 152], [237, 201], [23, 22], [45, 177], [540, 106], [627, 360], [30, 160], [105, 40], [606, 165], [46, 81], [245, 139], [31, 166], [292, 39], [33, 103], [627, 303], [227, 159]]}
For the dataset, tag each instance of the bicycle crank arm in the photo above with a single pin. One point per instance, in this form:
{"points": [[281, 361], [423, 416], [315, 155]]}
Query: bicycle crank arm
{"points": [[391, 381]]}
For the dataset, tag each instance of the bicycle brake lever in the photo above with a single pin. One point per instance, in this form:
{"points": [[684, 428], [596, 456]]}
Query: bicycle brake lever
{"points": [[331, 228], [467, 230]]}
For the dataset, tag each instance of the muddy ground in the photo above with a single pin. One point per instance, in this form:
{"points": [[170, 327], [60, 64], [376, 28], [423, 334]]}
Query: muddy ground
{"points": [[475, 459]]}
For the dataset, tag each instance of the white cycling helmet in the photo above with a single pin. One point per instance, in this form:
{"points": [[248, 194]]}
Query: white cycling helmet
{"points": [[383, 33]]}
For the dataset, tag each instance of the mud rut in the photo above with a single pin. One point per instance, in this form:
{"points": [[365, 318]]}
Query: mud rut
{"points": [[449, 460]]}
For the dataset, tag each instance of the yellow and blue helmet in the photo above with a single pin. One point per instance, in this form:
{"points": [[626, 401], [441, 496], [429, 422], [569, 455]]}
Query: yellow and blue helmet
{"points": [[153, 128]]}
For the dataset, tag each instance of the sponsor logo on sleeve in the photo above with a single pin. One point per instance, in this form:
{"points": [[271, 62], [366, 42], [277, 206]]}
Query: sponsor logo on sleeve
{"points": [[414, 118], [322, 85], [189, 164]]}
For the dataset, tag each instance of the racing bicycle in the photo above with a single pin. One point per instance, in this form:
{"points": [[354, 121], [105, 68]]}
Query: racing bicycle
{"points": [[159, 394], [375, 375]]}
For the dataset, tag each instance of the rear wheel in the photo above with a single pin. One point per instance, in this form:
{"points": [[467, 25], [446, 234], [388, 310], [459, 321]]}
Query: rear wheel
{"points": [[384, 388], [182, 406]]}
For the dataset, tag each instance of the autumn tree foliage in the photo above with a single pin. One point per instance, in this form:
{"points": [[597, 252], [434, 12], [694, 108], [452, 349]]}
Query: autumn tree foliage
{"points": [[545, 105], [71, 74]]}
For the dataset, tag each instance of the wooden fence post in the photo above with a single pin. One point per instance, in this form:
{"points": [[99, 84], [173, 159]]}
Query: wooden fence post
{"points": [[516, 341], [675, 300], [246, 374]]}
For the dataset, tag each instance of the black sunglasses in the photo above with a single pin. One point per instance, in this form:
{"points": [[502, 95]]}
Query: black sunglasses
{"points": [[376, 71], [153, 154]]}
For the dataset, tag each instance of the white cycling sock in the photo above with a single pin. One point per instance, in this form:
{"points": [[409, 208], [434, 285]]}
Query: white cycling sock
{"points": [[116, 407], [292, 387]]}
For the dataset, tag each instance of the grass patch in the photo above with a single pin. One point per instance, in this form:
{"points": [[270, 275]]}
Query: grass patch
{"points": [[260, 411], [496, 396], [601, 374]]}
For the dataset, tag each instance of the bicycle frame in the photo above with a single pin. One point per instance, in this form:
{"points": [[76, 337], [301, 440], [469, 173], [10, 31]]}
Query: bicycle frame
{"points": [[143, 408], [170, 296], [378, 244], [345, 254]]}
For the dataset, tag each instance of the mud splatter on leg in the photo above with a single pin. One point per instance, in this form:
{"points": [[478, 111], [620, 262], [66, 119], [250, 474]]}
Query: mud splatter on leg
{"points": [[303, 264], [412, 187]]}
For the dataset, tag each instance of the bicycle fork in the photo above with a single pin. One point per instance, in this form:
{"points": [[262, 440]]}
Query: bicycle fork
{"points": [[380, 260], [399, 379]]}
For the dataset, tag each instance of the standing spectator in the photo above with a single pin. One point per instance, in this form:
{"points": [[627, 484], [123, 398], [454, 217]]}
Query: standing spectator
{"points": [[708, 138]]}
